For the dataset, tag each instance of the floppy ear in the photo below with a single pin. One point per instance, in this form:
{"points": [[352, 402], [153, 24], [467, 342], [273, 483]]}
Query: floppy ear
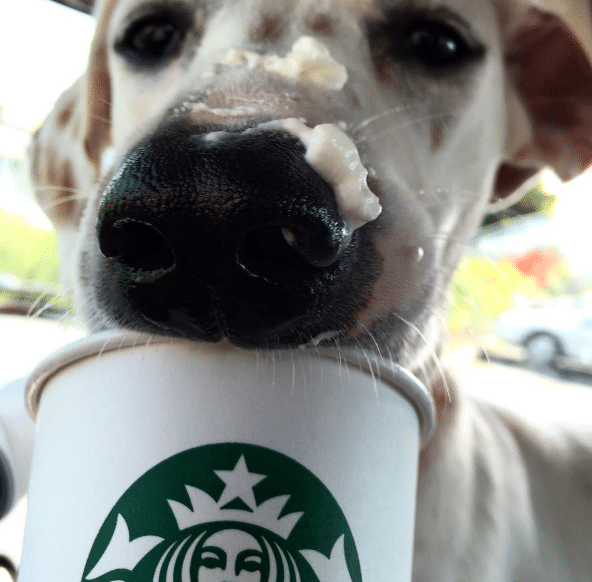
{"points": [[548, 53], [61, 173], [65, 153], [98, 97]]}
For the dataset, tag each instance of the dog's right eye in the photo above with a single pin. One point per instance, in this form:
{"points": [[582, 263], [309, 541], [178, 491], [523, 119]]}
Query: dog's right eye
{"points": [[152, 40]]}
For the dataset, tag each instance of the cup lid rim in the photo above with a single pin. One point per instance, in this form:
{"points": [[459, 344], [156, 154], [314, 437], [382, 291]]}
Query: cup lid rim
{"points": [[98, 343]]}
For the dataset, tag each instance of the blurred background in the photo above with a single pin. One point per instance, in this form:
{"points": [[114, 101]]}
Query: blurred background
{"points": [[522, 297]]}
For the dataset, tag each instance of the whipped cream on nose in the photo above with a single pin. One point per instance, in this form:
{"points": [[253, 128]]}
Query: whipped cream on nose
{"points": [[309, 60], [335, 157], [328, 149]]}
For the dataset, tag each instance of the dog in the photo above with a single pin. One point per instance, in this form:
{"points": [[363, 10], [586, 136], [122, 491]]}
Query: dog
{"points": [[279, 175]]}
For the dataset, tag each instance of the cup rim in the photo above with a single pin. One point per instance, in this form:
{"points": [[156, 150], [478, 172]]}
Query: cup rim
{"points": [[384, 371]]}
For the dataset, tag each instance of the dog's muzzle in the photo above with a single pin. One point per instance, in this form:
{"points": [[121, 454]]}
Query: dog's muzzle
{"points": [[229, 234]]}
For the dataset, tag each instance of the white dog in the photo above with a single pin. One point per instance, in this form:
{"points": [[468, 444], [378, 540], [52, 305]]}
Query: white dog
{"points": [[211, 167]]}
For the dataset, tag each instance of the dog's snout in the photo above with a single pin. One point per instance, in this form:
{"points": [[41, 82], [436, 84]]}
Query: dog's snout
{"points": [[255, 193], [227, 233]]}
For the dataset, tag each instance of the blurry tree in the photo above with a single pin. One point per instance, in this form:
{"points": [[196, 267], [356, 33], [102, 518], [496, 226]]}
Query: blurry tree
{"points": [[536, 200]]}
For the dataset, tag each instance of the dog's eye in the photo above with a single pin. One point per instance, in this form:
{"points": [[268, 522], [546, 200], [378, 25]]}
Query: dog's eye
{"points": [[152, 40], [432, 42], [435, 44]]}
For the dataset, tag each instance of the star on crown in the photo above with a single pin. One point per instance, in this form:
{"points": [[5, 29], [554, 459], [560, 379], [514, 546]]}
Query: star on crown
{"points": [[239, 485]]}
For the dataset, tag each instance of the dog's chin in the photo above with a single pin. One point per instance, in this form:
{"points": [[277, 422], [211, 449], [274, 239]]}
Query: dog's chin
{"points": [[259, 325]]}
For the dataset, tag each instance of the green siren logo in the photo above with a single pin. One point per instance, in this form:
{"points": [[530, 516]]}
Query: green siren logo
{"points": [[225, 513]]}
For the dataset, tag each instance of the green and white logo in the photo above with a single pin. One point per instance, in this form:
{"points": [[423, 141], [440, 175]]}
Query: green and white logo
{"points": [[225, 513]]}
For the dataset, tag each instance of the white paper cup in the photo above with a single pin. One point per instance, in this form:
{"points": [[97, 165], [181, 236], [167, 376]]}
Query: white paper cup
{"points": [[171, 461]]}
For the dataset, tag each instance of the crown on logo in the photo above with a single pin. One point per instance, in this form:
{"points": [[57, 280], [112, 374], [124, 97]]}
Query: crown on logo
{"points": [[239, 485]]}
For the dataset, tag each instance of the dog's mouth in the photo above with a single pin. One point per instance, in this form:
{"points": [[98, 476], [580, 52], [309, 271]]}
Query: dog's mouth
{"points": [[236, 235]]}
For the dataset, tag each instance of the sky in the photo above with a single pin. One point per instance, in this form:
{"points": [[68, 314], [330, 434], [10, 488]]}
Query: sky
{"points": [[44, 48]]}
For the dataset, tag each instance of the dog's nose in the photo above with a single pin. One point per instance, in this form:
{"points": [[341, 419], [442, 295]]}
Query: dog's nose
{"points": [[222, 234]]}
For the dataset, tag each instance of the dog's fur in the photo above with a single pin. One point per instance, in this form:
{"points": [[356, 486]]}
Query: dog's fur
{"points": [[500, 499]]}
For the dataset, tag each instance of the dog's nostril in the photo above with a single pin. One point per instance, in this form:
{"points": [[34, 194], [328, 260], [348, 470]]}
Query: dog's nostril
{"points": [[279, 253], [268, 252], [137, 245]]}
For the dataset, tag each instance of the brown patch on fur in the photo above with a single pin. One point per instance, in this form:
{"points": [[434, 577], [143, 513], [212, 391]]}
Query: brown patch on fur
{"points": [[380, 47], [384, 70], [269, 29], [51, 172], [322, 24], [98, 127], [65, 202], [437, 134], [65, 114], [446, 402], [98, 135], [200, 20], [364, 9], [56, 188], [460, 83]]}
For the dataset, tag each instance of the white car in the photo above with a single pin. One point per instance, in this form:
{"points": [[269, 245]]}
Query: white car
{"points": [[547, 333]]}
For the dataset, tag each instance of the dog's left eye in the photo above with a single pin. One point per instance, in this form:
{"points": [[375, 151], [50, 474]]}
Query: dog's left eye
{"points": [[152, 39], [425, 40], [435, 44]]}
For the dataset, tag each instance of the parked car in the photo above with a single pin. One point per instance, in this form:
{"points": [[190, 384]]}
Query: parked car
{"points": [[547, 333]]}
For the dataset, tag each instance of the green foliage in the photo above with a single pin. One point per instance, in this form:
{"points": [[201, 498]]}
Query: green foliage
{"points": [[29, 266], [540, 200], [27, 252], [536, 201], [481, 289]]}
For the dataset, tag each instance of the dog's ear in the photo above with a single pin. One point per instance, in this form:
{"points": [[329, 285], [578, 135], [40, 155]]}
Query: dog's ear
{"points": [[65, 153], [98, 98], [548, 55], [60, 170]]}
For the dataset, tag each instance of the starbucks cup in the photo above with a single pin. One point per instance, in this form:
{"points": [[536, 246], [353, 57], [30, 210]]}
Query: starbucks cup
{"points": [[171, 461]]}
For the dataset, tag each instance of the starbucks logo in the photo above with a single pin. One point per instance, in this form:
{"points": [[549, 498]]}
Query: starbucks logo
{"points": [[225, 513]]}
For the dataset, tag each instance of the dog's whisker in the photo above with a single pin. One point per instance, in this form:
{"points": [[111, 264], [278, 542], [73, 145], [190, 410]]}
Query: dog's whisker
{"points": [[432, 354], [293, 372], [62, 200], [447, 237], [46, 301], [103, 348], [380, 116], [32, 311], [374, 373], [49, 188], [368, 139], [98, 117], [371, 336], [102, 99]]}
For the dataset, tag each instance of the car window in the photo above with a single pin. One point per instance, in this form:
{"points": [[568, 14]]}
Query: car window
{"points": [[44, 47]]}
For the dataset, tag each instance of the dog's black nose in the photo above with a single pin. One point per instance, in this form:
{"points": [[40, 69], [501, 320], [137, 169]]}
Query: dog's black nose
{"points": [[224, 234]]}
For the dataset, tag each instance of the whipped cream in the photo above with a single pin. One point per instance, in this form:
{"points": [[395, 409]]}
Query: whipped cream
{"points": [[308, 60], [335, 157]]}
